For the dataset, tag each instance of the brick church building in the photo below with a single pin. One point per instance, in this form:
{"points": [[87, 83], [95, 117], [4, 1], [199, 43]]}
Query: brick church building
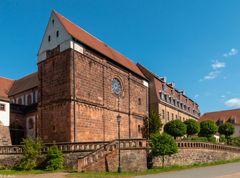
{"points": [[80, 89], [81, 86]]}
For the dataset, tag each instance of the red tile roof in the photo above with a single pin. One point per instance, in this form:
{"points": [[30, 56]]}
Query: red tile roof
{"points": [[91, 41], [223, 115], [23, 84], [5, 85]]}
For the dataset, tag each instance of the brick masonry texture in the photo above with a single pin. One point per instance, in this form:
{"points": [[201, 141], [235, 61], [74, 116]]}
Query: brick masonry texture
{"points": [[192, 156], [77, 102]]}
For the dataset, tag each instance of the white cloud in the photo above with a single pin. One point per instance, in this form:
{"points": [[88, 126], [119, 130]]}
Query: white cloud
{"points": [[212, 75], [234, 102], [217, 65], [232, 52]]}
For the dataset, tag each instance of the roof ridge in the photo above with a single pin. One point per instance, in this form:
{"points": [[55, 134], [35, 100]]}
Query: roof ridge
{"points": [[78, 27], [6, 78], [222, 111], [98, 45], [91, 35], [27, 76]]}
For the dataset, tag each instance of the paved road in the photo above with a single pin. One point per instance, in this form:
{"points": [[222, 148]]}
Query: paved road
{"points": [[231, 170]]}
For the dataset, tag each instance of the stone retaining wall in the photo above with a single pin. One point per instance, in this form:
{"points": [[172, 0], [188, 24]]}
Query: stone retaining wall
{"points": [[196, 155]]}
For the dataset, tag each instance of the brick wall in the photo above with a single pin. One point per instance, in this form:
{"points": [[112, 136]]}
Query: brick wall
{"points": [[77, 102]]}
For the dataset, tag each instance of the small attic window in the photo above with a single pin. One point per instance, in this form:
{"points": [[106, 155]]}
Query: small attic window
{"points": [[49, 38], [57, 34], [53, 21]]}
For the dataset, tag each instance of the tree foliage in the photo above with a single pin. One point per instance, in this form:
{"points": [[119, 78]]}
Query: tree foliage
{"points": [[55, 159], [208, 128], [193, 127], [176, 128], [226, 129], [31, 153], [162, 145], [154, 123]]}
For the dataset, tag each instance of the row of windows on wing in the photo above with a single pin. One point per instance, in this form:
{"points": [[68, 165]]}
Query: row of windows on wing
{"points": [[172, 116], [177, 103], [22, 101], [231, 120]]}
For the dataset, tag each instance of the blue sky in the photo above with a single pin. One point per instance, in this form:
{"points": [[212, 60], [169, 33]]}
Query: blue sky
{"points": [[194, 43]]}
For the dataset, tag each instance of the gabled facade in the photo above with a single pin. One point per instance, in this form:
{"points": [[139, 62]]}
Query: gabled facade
{"points": [[84, 85]]}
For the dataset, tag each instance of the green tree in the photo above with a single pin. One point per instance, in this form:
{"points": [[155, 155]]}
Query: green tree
{"points": [[176, 128], [154, 123], [193, 127], [55, 159], [31, 153], [208, 128], [226, 129], [162, 145]]}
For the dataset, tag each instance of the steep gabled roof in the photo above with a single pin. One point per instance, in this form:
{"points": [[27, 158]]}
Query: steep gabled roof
{"points": [[5, 85], [23, 84], [94, 43]]}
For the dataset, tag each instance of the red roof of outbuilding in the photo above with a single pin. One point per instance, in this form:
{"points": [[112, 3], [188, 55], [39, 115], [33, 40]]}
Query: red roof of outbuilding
{"points": [[5, 85], [91, 41], [223, 115]]}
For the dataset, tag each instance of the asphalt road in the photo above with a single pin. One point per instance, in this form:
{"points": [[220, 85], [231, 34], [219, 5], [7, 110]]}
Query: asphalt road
{"points": [[231, 170]]}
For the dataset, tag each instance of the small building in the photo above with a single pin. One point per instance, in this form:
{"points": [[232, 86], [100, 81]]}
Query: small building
{"points": [[168, 101], [221, 117]]}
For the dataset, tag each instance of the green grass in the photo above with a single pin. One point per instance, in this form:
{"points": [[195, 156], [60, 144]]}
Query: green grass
{"points": [[149, 171], [20, 172], [115, 174]]}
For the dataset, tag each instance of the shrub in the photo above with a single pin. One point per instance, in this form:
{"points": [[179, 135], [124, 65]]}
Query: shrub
{"points": [[31, 153], [226, 129], [212, 139], [222, 139], [162, 145], [193, 127], [176, 128], [208, 128], [235, 141], [200, 139], [55, 159]]}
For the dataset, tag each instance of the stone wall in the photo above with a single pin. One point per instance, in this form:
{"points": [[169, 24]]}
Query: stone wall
{"points": [[131, 160], [5, 138], [13, 160], [193, 156]]}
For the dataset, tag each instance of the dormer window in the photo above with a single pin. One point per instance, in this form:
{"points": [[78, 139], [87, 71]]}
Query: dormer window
{"points": [[232, 120], [164, 87], [57, 34], [49, 38]]}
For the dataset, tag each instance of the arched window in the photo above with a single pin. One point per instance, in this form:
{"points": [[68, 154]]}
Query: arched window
{"points": [[30, 124], [29, 99], [20, 101]]}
